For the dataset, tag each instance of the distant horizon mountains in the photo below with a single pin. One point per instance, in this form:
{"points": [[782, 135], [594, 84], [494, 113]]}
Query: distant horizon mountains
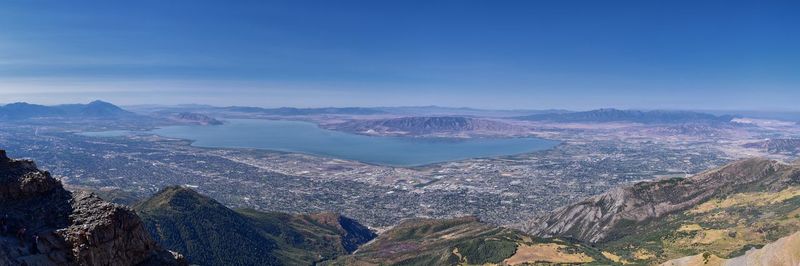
{"points": [[550, 115], [103, 109], [94, 109], [636, 116], [425, 108]]}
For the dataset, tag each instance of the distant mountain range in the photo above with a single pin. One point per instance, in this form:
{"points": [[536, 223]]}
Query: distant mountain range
{"points": [[604, 115], [291, 111], [463, 111], [100, 109], [95, 109], [635, 116]]}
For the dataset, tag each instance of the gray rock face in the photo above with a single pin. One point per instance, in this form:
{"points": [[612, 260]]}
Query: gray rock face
{"points": [[21, 179], [44, 224], [607, 215]]}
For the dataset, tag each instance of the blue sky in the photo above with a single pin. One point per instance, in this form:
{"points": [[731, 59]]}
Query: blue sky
{"points": [[488, 54]]}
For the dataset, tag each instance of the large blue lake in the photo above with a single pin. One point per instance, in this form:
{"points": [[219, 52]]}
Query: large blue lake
{"points": [[304, 137]]}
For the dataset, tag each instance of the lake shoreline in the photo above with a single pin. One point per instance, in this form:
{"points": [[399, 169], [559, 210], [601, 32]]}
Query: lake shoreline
{"points": [[308, 138]]}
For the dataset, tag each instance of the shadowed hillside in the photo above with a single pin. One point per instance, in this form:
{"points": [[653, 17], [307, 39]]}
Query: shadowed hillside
{"points": [[208, 233]]}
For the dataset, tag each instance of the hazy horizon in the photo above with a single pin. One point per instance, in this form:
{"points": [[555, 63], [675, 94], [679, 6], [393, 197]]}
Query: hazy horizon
{"points": [[713, 111]]}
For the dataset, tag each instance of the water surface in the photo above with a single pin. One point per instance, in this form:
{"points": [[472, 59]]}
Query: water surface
{"points": [[305, 137]]}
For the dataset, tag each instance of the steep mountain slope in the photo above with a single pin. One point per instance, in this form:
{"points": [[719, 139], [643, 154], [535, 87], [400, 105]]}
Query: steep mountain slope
{"points": [[208, 233], [421, 125], [46, 225], [785, 251], [724, 211], [465, 241], [644, 117], [601, 217], [724, 226]]}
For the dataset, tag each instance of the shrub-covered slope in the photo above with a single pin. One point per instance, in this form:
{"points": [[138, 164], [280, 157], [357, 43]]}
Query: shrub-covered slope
{"points": [[209, 233], [467, 241]]}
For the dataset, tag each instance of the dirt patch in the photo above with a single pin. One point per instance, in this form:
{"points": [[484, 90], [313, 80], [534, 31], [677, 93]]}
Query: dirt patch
{"points": [[642, 254], [690, 228], [710, 236], [549, 252], [613, 257]]}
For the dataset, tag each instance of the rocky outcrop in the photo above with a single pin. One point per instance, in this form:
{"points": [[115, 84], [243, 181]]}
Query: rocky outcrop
{"points": [[44, 224], [21, 179], [783, 252], [606, 216]]}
